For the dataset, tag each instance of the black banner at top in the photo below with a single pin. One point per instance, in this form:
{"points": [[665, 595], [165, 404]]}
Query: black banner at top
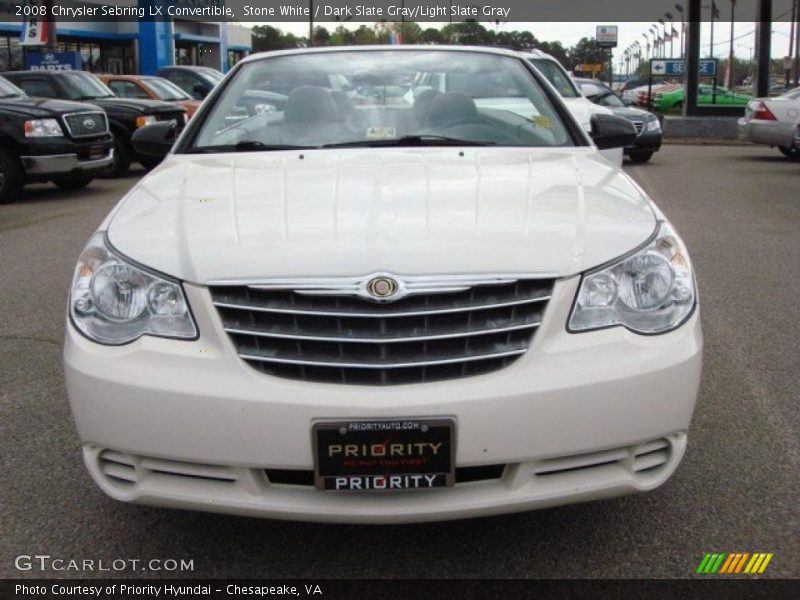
{"points": [[370, 11]]}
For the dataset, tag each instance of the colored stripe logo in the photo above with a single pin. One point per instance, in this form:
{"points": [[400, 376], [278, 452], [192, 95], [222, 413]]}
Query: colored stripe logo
{"points": [[734, 563]]}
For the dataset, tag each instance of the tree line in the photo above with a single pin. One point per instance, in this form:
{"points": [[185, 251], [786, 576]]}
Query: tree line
{"points": [[266, 37]]}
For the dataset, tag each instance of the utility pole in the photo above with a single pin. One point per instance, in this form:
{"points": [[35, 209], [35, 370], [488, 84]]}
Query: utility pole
{"points": [[729, 73], [310, 23], [792, 20], [797, 42]]}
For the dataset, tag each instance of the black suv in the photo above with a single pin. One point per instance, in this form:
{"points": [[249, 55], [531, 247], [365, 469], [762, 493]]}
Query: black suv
{"points": [[125, 115], [49, 140], [195, 81]]}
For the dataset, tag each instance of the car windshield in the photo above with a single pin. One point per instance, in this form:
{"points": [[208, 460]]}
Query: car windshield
{"points": [[166, 90], [84, 86], [556, 75], [212, 75], [376, 98], [9, 90], [607, 98]]}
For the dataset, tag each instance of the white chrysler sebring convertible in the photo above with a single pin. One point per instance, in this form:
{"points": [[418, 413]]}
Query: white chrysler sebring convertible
{"points": [[349, 306]]}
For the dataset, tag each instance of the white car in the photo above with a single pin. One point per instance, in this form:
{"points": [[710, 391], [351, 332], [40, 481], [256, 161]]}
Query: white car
{"points": [[382, 313], [581, 107], [772, 121]]}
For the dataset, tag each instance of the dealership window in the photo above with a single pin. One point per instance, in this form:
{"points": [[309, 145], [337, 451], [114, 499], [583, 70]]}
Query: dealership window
{"points": [[101, 56], [11, 57], [234, 56]]}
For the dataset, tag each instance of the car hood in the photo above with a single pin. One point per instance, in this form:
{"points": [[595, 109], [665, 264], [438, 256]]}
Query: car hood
{"points": [[205, 218], [136, 105], [43, 107], [582, 109], [633, 114]]}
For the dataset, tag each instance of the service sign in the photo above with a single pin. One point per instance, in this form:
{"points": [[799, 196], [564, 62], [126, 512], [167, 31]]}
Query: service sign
{"points": [[607, 36], [53, 61]]}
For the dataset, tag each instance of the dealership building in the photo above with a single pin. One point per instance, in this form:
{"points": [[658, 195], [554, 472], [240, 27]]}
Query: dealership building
{"points": [[131, 46]]}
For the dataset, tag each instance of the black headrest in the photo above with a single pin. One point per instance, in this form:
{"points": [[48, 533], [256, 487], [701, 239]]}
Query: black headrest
{"points": [[310, 104], [450, 107], [422, 104]]}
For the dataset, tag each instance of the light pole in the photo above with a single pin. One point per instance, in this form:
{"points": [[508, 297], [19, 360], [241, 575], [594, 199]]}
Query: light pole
{"points": [[679, 10], [672, 33]]}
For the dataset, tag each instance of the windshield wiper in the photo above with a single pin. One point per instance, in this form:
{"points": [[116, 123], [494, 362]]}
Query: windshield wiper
{"points": [[82, 98], [245, 146], [412, 140], [11, 96]]}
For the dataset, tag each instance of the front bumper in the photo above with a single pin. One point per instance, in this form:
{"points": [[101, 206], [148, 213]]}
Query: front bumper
{"points": [[649, 141], [579, 417], [770, 133], [56, 165]]}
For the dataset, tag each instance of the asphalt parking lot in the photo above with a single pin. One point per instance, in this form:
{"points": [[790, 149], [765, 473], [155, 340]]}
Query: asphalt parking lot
{"points": [[737, 208]]}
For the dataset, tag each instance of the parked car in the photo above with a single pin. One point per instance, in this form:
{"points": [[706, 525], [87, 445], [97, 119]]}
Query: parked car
{"points": [[797, 139], [306, 307], [578, 105], [666, 100], [125, 115], [146, 86], [637, 95], [771, 121], [49, 140], [648, 127], [195, 81]]}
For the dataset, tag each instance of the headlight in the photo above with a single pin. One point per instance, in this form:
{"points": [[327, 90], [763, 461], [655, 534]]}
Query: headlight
{"points": [[654, 125], [115, 302], [145, 120], [651, 291], [43, 128]]}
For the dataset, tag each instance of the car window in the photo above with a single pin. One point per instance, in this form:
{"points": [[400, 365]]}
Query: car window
{"points": [[556, 75], [127, 89], [486, 99], [84, 86], [9, 90], [165, 89], [182, 79], [39, 86], [608, 98]]}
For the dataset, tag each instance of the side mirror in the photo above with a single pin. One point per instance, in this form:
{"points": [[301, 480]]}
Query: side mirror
{"points": [[200, 91], [156, 140], [609, 131]]}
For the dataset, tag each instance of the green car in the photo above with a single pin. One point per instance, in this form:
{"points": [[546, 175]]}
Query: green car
{"points": [[671, 99]]}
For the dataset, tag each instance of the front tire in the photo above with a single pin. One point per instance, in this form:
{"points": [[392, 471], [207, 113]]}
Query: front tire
{"points": [[790, 153], [73, 184], [123, 155], [641, 156], [12, 177]]}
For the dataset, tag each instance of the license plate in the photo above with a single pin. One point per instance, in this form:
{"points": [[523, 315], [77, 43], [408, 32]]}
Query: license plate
{"points": [[97, 152], [389, 455]]}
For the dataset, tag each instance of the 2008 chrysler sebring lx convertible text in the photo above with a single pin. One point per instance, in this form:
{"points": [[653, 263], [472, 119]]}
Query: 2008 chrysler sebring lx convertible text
{"points": [[368, 305]]}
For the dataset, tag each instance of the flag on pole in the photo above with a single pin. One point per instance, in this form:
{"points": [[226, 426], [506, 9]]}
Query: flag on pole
{"points": [[35, 32]]}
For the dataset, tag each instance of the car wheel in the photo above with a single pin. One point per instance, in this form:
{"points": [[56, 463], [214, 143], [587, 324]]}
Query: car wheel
{"points": [[122, 156], [12, 177], [641, 156], [791, 153], [73, 184]]}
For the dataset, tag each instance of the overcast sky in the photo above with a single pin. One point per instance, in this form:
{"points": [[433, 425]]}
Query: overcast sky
{"points": [[569, 33]]}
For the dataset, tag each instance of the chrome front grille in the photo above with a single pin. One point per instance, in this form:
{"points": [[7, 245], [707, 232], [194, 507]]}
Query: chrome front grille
{"points": [[440, 332], [87, 124], [639, 125]]}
